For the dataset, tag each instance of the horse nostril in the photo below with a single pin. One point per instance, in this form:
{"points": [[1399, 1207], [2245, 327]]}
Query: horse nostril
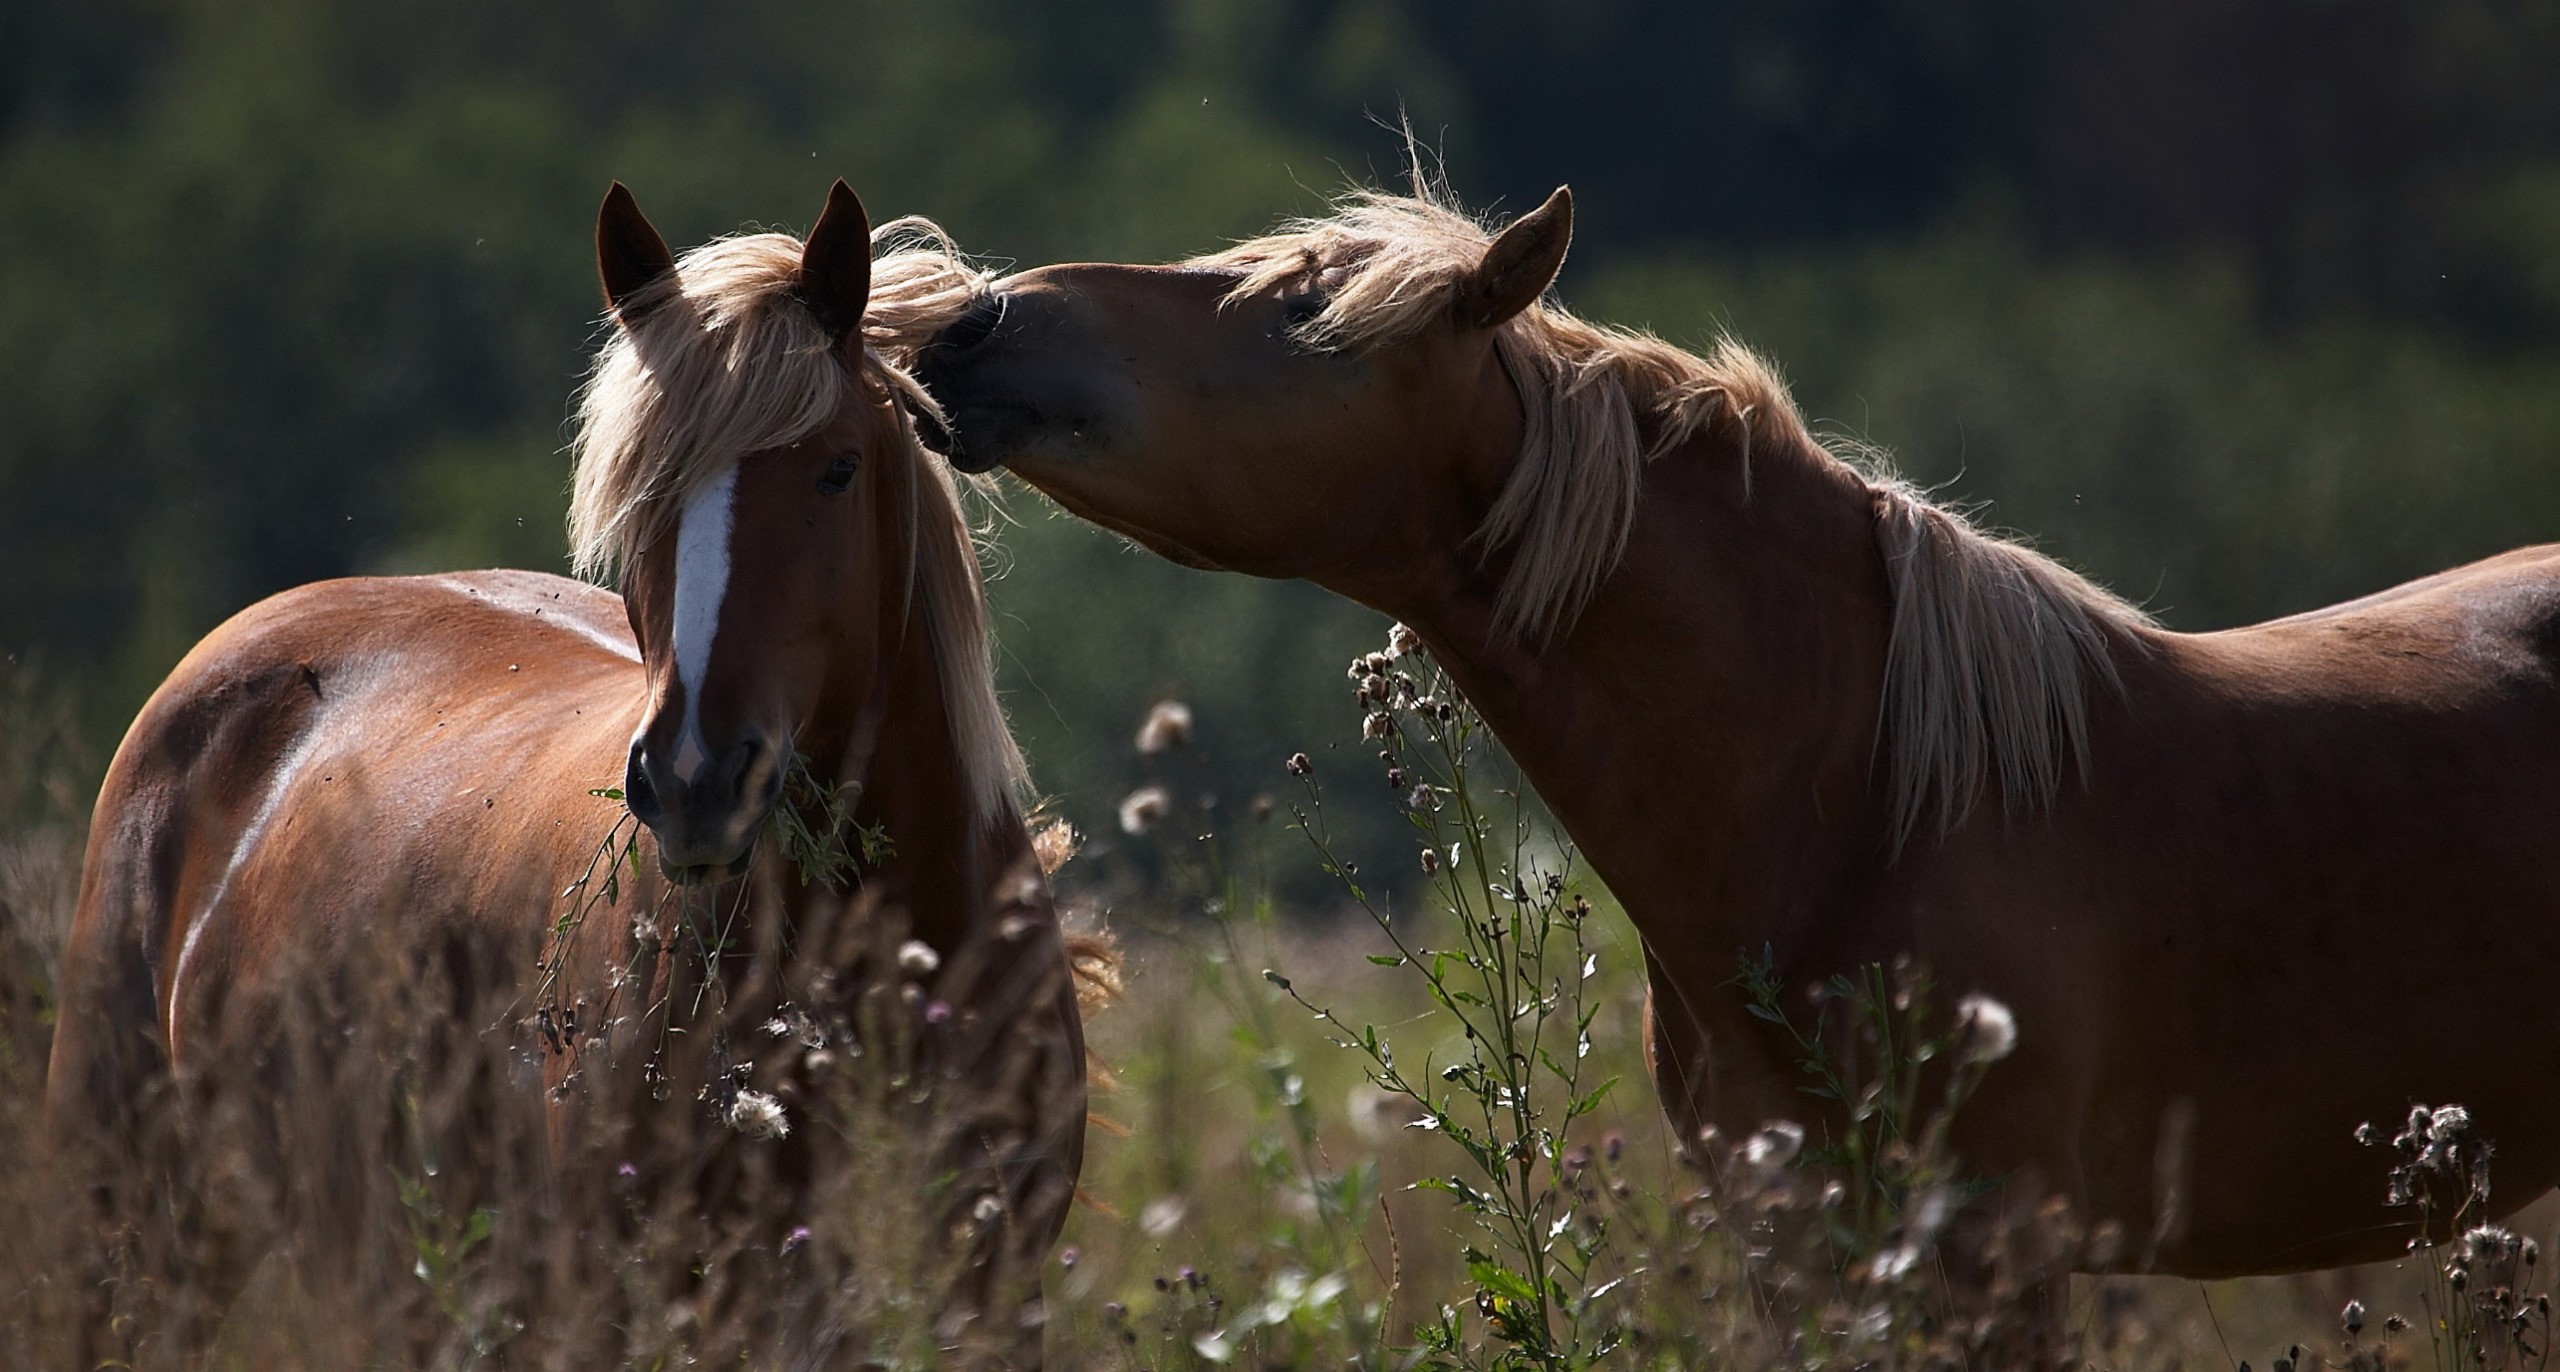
{"points": [[757, 777], [637, 793]]}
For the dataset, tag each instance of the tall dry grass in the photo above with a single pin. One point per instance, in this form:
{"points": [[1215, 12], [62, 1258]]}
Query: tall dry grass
{"points": [[1253, 1196]]}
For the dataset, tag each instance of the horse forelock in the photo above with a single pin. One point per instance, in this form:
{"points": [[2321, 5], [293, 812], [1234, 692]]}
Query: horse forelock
{"points": [[723, 358], [1993, 647]]}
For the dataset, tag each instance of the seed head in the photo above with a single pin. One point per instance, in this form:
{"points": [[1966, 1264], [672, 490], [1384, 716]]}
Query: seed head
{"points": [[2353, 1318], [1775, 1145], [1401, 640], [1990, 1031], [1299, 766], [1430, 861], [1168, 725], [1054, 844], [758, 1116], [916, 958], [1141, 808]]}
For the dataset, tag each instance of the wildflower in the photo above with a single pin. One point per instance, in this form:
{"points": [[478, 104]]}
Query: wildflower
{"points": [[1401, 640], [1430, 861], [792, 1241], [1613, 1144], [1396, 778], [1377, 725], [939, 1012], [2395, 1323], [916, 958], [1141, 808], [1168, 725], [1990, 1031], [2353, 1318], [758, 1116], [1299, 766], [987, 1209], [1067, 1256]]}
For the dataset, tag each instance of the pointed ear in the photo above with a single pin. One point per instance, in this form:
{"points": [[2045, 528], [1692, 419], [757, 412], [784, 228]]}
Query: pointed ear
{"points": [[835, 264], [1519, 266], [629, 252]]}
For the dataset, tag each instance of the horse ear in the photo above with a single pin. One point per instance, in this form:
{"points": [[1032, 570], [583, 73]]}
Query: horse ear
{"points": [[1520, 265], [835, 264], [629, 252]]}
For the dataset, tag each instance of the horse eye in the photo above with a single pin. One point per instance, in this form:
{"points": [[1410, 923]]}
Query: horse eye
{"points": [[840, 475]]}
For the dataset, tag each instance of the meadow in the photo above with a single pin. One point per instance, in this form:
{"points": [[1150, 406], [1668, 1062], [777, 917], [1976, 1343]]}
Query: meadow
{"points": [[1406, 1128]]}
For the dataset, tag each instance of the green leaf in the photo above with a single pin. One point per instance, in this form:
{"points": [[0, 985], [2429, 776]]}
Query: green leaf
{"points": [[1501, 1281]]}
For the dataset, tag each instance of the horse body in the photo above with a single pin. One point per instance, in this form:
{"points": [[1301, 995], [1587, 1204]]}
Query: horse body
{"points": [[2243, 890], [360, 893], [2268, 912]]}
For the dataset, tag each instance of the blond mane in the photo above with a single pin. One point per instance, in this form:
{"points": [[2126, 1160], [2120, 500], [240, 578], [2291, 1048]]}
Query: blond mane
{"points": [[724, 359], [1993, 646]]}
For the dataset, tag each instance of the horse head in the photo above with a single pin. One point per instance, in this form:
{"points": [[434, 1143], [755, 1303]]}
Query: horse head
{"points": [[747, 464]]}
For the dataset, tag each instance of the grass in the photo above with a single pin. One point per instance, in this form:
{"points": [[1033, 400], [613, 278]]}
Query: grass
{"points": [[1404, 1131]]}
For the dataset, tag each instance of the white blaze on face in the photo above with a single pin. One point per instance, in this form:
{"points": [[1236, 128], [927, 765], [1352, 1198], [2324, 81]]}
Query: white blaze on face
{"points": [[702, 582]]}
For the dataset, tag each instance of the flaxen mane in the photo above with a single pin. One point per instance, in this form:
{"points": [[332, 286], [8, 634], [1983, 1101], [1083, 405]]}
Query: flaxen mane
{"points": [[1994, 647], [723, 359]]}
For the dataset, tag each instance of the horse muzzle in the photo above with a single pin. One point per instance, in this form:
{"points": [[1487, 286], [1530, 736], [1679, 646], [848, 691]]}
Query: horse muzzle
{"points": [[705, 823]]}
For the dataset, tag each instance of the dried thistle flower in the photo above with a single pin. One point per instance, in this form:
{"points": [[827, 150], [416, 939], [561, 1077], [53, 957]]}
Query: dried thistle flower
{"points": [[1775, 1145], [758, 1116], [1141, 808], [1167, 726], [1055, 844], [916, 958], [1990, 1031], [1401, 640], [1299, 766]]}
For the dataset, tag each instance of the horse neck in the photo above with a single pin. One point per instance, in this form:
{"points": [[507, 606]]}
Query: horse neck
{"points": [[1722, 686]]}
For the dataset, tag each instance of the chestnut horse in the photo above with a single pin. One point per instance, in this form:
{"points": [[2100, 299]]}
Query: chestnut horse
{"points": [[2243, 890], [431, 760]]}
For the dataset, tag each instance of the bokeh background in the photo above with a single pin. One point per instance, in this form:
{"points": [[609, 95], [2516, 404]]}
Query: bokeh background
{"points": [[2240, 305]]}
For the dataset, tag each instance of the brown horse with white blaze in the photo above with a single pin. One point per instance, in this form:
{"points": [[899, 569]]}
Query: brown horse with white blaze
{"points": [[2243, 890], [416, 763]]}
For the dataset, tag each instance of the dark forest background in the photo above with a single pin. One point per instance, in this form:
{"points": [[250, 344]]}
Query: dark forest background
{"points": [[2240, 305]]}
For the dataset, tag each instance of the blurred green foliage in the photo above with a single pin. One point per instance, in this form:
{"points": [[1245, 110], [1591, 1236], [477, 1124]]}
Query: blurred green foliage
{"points": [[2242, 306]]}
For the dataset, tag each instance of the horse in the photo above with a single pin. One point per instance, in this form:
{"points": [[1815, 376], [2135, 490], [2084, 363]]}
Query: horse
{"points": [[2242, 891], [539, 809]]}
